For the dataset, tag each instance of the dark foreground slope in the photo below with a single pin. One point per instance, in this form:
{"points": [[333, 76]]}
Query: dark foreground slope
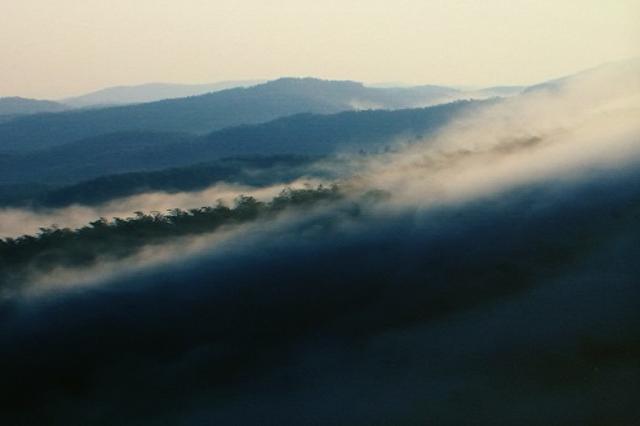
{"points": [[516, 309]]}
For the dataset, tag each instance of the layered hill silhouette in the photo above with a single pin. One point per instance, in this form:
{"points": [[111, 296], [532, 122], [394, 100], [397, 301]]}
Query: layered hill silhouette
{"points": [[13, 106], [206, 113], [302, 134], [150, 92], [253, 171]]}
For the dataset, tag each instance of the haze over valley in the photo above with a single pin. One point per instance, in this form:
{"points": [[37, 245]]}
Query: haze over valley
{"points": [[280, 249]]}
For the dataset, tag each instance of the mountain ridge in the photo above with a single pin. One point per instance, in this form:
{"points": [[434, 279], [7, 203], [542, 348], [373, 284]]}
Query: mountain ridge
{"points": [[300, 134], [17, 105], [205, 113], [149, 92]]}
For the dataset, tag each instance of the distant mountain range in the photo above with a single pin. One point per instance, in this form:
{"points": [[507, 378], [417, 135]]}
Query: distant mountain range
{"points": [[290, 116], [205, 113], [151, 92], [302, 134], [16, 106]]}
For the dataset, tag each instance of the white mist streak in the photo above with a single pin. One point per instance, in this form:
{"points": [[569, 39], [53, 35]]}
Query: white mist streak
{"points": [[590, 121], [227, 238], [20, 221]]}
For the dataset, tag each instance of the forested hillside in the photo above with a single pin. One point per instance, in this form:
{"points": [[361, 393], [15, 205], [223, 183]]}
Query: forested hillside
{"points": [[251, 171], [304, 134]]}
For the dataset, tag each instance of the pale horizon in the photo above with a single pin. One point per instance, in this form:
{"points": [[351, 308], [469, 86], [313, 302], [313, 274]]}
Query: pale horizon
{"points": [[54, 51]]}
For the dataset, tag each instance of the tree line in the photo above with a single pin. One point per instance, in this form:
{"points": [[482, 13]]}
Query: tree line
{"points": [[121, 237]]}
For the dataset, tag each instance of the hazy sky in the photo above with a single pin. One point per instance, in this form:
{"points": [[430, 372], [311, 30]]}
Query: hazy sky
{"points": [[56, 48]]}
